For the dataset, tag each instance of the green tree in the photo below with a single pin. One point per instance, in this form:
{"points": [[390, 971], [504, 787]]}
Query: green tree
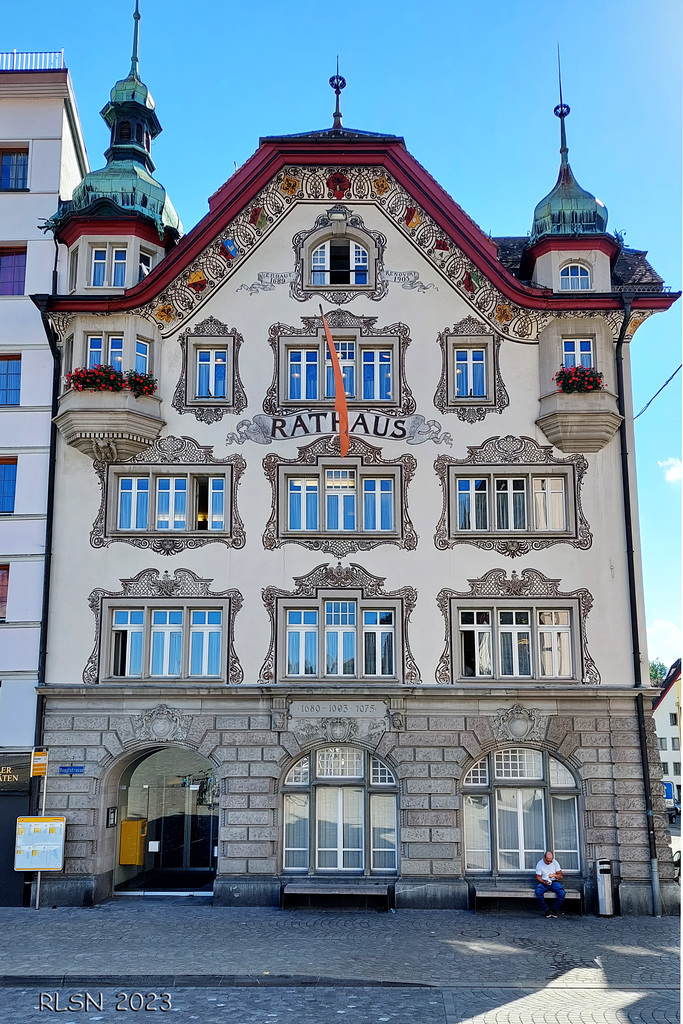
{"points": [[658, 671]]}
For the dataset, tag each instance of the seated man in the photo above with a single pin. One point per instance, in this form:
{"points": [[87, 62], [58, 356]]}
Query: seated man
{"points": [[548, 875]]}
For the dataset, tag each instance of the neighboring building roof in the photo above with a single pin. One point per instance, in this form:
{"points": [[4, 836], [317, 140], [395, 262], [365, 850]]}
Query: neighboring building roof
{"points": [[671, 678], [631, 267]]}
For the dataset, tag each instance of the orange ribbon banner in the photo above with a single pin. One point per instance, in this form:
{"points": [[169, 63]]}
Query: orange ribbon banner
{"points": [[339, 392]]}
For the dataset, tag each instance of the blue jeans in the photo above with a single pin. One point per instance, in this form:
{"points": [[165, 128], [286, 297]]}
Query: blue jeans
{"points": [[556, 888]]}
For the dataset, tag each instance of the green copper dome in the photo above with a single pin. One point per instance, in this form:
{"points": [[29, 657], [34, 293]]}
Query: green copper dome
{"points": [[126, 184], [568, 209]]}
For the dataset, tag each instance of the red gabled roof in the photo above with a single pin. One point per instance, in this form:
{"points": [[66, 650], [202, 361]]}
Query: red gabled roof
{"points": [[672, 677], [273, 155]]}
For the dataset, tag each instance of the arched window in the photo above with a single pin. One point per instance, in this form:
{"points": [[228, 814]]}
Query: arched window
{"points": [[340, 813], [124, 131], [339, 261], [574, 277], [517, 803], [138, 134]]}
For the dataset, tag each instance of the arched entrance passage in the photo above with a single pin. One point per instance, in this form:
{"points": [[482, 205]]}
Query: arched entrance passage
{"points": [[167, 823]]}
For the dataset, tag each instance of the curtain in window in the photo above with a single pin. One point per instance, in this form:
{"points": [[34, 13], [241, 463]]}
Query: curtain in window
{"points": [[565, 831], [296, 830], [383, 831], [534, 826], [477, 838], [326, 812], [352, 804], [508, 829]]}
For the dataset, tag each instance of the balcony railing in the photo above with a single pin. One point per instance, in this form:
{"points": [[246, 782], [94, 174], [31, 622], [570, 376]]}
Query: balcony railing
{"points": [[41, 60]]}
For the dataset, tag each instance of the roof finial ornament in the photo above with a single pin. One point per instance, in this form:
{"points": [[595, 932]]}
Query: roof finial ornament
{"points": [[134, 70], [562, 110], [338, 83]]}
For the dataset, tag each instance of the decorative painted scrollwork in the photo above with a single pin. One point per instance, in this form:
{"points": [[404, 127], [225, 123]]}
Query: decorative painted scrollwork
{"points": [[150, 583], [339, 319], [171, 451], [510, 451], [310, 455], [208, 413], [470, 412], [339, 577], [529, 585], [298, 291]]}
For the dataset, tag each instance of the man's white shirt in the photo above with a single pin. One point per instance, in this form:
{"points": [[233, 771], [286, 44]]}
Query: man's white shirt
{"points": [[544, 870]]}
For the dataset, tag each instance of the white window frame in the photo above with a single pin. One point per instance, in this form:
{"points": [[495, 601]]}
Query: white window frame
{"points": [[119, 259], [146, 628], [586, 356], [325, 629], [482, 783], [556, 630], [315, 349], [206, 631], [371, 784], [540, 498], [140, 485], [481, 628], [213, 362], [359, 264], [469, 362], [504, 498], [517, 631], [165, 630], [313, 481], [299, 631], [584, 274], [216, 480], [377, 631], [97, 250], [496, 628]]}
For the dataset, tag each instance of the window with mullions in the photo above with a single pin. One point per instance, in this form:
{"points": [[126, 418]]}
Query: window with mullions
{"points": [[367, 372], [344, 492], [339, 813], [574, 277], [105, 350], [517, 803], [12, 271], [520, 643], [99, 267], [212, 366], [577, 352], [8, 485], [10, 380], [509, 504], [196, 502], [169, 643], [13, 169], [119, 268], [339, 629], [339, 261]]}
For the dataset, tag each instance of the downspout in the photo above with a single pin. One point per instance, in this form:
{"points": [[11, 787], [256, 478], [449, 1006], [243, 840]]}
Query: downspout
{"points": [[635, 634], [41, 302]]}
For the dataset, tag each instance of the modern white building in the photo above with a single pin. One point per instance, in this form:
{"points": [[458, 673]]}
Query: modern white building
{"points": [[408, 669], [666, 712], [42, 159]]}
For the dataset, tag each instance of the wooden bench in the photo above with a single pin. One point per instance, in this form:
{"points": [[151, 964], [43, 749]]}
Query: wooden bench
{"points": [[374, 890], [491, 892]]}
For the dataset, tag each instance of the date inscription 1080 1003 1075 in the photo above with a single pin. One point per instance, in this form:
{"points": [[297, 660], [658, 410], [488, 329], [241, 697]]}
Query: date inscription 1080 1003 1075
{"points": [[337, 708]]}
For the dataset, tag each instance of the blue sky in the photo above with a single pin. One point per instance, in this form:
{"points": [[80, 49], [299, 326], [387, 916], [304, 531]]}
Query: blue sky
{"points": [[471, 87]]}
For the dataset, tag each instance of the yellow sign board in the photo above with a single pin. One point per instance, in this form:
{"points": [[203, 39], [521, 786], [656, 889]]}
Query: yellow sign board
{"points": [[38, 763], [39, 844]]}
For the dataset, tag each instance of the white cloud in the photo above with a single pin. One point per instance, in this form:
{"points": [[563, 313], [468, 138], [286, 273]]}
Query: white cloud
{"points": [[664, 641], [673, 469]]}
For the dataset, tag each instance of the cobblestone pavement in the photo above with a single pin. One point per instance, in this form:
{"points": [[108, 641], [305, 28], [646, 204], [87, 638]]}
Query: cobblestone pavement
{"points": [[338, 1005], [262, 966]]}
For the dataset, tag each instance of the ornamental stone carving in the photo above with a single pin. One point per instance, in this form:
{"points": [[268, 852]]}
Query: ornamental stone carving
{"points": [[161, 723], [518, 723]]}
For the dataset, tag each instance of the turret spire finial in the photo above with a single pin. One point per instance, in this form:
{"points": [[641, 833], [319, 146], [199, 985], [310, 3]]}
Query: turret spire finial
{"points": [[562, 110], [338, 83], [134, 70]]}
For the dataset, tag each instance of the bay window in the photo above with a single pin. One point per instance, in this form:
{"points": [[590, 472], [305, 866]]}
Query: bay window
{"points": [[577, 352], [517, 803], [339, 813]]}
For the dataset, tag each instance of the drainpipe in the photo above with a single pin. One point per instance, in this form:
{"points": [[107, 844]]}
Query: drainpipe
{"points": [[635, 636], [41, 302]]}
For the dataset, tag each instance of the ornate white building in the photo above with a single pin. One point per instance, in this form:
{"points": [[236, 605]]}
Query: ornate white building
{"points": [[411, 669]]}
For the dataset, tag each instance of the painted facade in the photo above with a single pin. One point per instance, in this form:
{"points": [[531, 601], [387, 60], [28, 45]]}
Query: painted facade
{"points": [[410, 667]]}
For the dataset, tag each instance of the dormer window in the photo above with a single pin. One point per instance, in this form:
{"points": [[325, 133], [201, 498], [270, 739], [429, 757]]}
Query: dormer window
{"points": [[339, 257], [339, 261], [574, 277]]}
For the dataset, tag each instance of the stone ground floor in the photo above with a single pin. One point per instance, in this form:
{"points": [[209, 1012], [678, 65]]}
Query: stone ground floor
{"points": [[263, 966], [426, 791]]}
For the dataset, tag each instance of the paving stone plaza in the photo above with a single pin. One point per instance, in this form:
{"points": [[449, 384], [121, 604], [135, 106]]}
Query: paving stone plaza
{"points": [[262, 966]]}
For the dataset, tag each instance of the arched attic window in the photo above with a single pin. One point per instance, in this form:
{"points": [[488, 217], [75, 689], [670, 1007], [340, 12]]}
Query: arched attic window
{"points": [[124, 131], [575, 277]]}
